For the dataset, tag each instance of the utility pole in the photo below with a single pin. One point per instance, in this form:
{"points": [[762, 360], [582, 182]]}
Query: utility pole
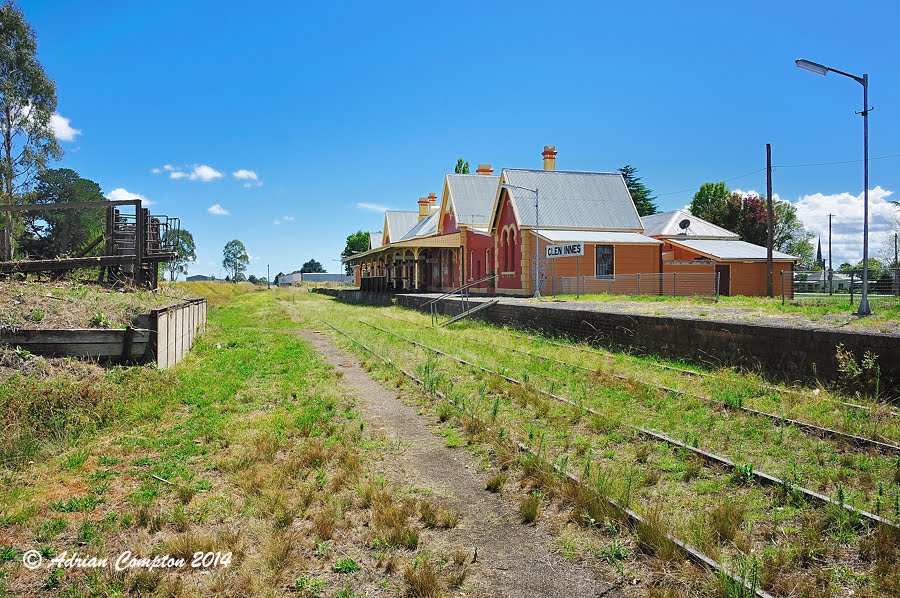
{"points": [[770, 221], [830, 269], [268, 277]]}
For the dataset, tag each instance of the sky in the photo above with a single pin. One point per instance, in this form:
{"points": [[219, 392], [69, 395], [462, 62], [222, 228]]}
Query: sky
{"points": [[290, 125]]}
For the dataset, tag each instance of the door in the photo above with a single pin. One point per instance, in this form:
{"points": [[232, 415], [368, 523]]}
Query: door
{"points": [[724, 273]]}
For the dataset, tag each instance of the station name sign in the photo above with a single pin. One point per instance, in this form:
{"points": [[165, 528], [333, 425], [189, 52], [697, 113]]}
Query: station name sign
{"points": [[567, 250]]}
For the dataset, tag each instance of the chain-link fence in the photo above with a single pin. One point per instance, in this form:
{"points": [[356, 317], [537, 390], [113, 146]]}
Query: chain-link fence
{"points": [[667, 284], [829, 287]]}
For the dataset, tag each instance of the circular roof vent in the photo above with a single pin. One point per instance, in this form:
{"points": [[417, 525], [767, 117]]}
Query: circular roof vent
{"points": [[684, 224]]}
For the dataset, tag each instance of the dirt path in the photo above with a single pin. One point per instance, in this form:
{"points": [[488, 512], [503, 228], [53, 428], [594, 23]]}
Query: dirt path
{"points": [[513, 559]]}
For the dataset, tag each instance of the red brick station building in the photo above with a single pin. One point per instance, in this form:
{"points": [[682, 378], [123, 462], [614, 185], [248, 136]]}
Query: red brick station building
{"points": [[484, 227]]}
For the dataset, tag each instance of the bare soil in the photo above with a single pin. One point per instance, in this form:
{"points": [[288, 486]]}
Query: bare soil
{"points": [[513, 559]]}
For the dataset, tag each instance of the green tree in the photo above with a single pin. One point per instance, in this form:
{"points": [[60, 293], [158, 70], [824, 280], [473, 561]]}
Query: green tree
{"points": [[462, 167], [27, 103], [52, 233], [640, 193], [312, 266], [358, 242], [791, 236], [277, 276], [716, 204], [182, 242], [235, 259]]}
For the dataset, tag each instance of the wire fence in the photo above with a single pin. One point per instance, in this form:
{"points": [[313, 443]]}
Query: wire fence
{"points": [[667, 284], [829, 288]]}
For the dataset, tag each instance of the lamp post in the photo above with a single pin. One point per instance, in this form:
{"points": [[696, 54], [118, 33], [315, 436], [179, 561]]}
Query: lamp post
{"points": [[821, 69], [537, 237]]}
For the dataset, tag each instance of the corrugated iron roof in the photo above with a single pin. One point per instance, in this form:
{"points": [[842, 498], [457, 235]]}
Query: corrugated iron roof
{"points": [[666, 224], [426, 227], [473, 197], [597, 236], [573, 200], [398, 223], [375, 239], [730, 249]]}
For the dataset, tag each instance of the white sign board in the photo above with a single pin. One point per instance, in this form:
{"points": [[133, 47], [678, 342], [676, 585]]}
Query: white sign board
{"points": [[567, 250]]}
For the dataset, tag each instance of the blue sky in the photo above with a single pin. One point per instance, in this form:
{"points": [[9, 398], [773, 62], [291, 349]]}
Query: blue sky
{"points": [[336, 105]]}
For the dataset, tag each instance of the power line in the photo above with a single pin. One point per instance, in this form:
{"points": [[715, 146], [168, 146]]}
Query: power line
{"points": [[835, 163], [776, 167], [734, 178]]}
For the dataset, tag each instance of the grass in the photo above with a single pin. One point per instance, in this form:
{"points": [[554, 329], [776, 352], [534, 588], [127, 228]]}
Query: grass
{"points": [[888, 314], [730, 516], [250, 441]]}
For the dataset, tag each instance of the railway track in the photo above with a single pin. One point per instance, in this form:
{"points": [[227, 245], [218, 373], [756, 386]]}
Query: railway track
{"points": [[759, 476], [771, 387], [633, 518], [823, 431]]}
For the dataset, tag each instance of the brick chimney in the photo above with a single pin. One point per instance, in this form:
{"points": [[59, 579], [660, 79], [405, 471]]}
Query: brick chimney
{"points": [[432, 199], [549, 154], [485, 169], [423, 208]]}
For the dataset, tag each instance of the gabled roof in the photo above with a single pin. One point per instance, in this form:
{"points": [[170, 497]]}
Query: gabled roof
{"points": [[730, 250], [570, 200], [472, 197], [375, 239], [667, 224], [397, 223], [426, 227]]}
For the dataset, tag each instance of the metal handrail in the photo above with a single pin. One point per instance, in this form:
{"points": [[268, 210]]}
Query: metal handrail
{"points": [[462, 288], [463, 293]]}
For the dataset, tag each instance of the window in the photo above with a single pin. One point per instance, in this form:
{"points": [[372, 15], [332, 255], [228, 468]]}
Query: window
{"points": [[604, 260]]}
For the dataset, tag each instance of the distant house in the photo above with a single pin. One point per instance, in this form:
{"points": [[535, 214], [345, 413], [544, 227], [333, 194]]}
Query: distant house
{"points": [[693, 245], [288, 280], [200, 278], [324, 277], [817, 282]]}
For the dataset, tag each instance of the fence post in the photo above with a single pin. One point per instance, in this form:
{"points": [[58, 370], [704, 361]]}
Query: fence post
{"points": [[852, 272], [609, 279], [639, 284], [674, 274], [717, 285], [782, 287]]}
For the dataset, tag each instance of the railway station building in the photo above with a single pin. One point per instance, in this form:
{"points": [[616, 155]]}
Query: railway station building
{"points": [[485, 229]]}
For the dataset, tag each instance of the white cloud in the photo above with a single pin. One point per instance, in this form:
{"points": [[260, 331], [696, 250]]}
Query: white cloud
{"points": [[847, 224], [202, 172], [62, 129], [217, 210], [374, 207], [250, 184], [198, 172], [120, 194], [287, 218], [276, 221], [245, 174]]}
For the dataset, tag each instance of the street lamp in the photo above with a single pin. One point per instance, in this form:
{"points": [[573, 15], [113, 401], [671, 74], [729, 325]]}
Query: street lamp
{"points": [[537, 237], [821, 69]]}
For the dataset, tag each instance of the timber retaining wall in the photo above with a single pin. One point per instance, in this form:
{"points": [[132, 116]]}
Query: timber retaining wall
{"points": [[165, 335], [791, 354]]}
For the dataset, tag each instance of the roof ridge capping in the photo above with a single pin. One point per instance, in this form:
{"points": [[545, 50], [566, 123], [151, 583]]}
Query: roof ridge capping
{"points": [[552, 172]]}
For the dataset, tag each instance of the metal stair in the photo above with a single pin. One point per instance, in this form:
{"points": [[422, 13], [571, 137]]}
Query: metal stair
{"points": [[463, 294], [469, 312]]}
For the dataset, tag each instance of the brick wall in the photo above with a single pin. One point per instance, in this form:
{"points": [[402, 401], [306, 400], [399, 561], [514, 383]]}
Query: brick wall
{"points": [[785, 353]]}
